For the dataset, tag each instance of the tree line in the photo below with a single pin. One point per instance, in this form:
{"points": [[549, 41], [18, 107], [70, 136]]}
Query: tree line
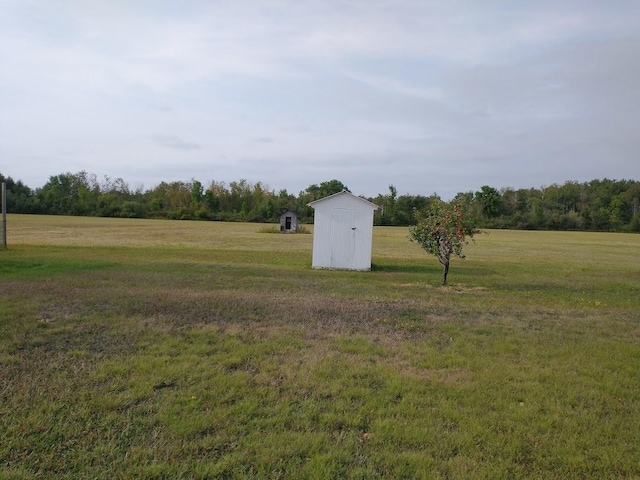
{"points": [[598, 205]]}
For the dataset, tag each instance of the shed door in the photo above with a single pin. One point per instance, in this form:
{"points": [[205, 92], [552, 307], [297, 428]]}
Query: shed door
{"points": [[343, 238]]}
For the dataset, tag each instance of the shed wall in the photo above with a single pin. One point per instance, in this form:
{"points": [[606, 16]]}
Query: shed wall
{"points": [[342, 236]]}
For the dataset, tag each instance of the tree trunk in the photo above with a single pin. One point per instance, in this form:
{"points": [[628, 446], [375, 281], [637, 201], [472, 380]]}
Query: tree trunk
{"points": [[445, 273]]}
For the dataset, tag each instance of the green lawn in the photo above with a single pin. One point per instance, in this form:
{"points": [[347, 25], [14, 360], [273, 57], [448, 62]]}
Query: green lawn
{"points": [[168, 349]]}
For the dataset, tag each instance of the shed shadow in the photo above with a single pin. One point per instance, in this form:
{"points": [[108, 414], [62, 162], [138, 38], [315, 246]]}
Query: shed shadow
{"points": [[396, 268]]}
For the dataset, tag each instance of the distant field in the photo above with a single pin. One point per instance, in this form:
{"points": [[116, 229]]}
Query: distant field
{"points": [[168, 349]]}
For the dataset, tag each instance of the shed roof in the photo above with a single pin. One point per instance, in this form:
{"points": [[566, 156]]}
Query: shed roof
{"points": [[344, 192]]}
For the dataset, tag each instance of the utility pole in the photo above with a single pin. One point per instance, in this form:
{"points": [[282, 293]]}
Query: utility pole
{"points": [[3, 233]]}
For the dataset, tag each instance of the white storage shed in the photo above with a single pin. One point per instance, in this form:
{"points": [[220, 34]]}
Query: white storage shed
{"points": [[342, 232]]}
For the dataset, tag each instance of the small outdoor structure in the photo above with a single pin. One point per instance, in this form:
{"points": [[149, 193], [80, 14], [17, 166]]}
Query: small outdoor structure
{"points": [[289, 222], [342, 232]]}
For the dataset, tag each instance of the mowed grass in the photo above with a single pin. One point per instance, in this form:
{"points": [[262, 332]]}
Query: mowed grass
{"points": [[167, 349]]}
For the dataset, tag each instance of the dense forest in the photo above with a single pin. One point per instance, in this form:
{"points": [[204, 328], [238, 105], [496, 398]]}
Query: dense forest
{"points": [[598, 205]]}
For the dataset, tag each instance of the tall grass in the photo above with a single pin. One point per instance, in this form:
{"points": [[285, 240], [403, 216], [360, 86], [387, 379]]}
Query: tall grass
{"points": [[159, 349]]}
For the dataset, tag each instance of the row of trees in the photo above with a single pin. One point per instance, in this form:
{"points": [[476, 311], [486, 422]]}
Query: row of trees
{"points": [[83, 194], [600, 205]]}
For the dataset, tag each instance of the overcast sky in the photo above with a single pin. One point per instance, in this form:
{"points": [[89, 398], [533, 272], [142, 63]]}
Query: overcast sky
{"points": [[430, 96]]}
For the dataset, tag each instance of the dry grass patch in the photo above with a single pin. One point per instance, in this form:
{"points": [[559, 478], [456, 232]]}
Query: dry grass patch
{"points": [[464, 289]]}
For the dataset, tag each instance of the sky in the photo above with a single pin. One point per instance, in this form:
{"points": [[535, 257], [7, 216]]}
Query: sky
{"points": [[428, 96]]}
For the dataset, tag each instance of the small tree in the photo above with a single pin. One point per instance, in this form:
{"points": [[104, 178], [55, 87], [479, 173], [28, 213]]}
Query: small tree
{"points": [[442, 230]]}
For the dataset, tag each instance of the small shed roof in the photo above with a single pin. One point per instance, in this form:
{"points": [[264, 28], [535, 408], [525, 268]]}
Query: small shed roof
{"points": [[344, 192]]}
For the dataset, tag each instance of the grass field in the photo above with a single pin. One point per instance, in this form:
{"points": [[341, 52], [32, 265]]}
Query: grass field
{"points": [[160, 349]]}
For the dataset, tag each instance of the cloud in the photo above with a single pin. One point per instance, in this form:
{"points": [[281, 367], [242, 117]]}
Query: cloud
{"points": [[173, 141]]}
